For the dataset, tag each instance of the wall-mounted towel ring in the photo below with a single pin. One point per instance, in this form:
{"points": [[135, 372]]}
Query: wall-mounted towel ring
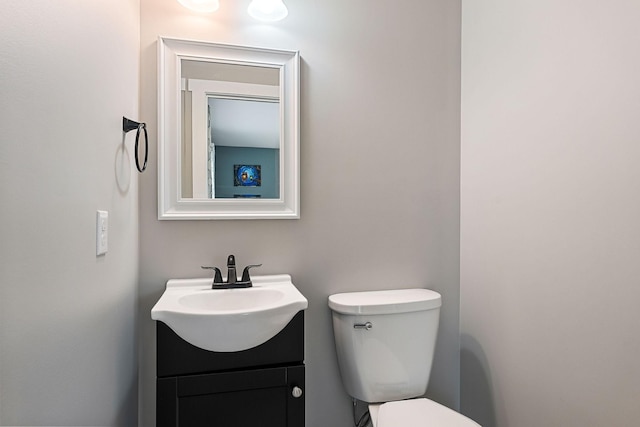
{"points": [[129, 125]]}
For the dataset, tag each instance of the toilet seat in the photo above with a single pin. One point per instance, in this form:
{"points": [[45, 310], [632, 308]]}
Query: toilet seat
{"points": [[417, 413]]}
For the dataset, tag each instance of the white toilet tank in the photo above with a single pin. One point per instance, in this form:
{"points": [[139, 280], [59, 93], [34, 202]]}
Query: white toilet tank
{"points": [[385, 341]]}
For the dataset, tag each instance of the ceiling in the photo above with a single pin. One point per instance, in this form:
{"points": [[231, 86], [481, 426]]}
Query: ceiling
{"points": [[245, 122]]}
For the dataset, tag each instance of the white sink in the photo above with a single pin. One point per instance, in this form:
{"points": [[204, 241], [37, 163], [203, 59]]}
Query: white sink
{"points": [[229, 319]]}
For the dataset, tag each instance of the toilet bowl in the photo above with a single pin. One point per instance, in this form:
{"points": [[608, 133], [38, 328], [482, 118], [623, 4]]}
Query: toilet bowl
{"points": [[418, 412], [385, 342]]}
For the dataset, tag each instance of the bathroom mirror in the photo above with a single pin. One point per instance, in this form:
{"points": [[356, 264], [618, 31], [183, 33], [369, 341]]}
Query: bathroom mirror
{"points": [[228, 131]]}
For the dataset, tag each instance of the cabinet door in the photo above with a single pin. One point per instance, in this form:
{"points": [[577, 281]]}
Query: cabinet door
{"points": [[260, 398]]}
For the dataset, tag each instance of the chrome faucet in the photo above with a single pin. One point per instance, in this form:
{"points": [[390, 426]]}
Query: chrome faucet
{"points": [[232, 278]]}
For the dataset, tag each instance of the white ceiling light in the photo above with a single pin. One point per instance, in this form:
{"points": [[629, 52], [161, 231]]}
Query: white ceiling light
{"points": [[205, 6], [268, 10]]}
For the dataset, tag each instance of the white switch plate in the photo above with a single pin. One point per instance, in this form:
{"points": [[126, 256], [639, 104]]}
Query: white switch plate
{"points": [[102, 232]]}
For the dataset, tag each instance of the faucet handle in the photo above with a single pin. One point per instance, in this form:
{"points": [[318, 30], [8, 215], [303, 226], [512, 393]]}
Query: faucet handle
{"points": [[245, 272], [217, 276]]}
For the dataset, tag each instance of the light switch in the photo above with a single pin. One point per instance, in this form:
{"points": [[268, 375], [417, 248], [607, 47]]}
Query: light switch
{"points": [[102, 232]]}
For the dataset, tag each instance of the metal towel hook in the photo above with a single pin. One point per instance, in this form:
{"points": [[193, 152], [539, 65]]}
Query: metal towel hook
{"points": [[129, 125]]}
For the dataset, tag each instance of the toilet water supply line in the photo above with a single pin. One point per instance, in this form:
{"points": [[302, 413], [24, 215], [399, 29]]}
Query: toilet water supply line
{"points": [[365, 418], [129, 125]]}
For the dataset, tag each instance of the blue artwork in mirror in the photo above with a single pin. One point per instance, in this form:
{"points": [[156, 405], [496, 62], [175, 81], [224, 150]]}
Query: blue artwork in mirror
{"points": [[247, 176]]}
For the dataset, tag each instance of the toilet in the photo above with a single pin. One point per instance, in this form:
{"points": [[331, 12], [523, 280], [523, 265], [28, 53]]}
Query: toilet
{"points": [[385, 341]]}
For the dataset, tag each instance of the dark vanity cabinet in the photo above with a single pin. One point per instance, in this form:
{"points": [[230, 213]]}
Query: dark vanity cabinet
{"points": [[262, 386]]}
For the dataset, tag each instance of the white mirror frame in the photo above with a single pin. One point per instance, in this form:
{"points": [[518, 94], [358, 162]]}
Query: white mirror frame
{"points": [[170, 204]]}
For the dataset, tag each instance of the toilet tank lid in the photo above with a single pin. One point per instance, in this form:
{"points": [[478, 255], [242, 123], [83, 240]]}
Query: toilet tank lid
{"points": [[385, 302]]}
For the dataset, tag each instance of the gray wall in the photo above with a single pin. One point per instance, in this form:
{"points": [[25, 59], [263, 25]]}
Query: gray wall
{"points": [[380, 99], [68, 342], [550, 226]]}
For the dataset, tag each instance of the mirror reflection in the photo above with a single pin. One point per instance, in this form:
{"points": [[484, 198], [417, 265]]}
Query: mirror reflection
{"points": [[231, 140], [228, 131]]}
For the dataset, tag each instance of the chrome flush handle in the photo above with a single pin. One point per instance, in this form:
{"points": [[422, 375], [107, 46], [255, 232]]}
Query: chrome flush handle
{"points": [[367, 326]]}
